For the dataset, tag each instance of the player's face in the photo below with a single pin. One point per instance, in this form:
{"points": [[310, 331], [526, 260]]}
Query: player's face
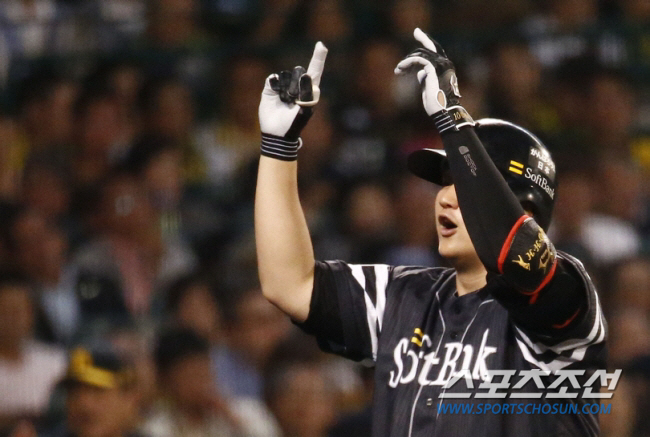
{"points": [[453, 240]]}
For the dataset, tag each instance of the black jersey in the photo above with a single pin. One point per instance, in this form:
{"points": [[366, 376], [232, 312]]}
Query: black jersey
{"points": [[419, 333]]}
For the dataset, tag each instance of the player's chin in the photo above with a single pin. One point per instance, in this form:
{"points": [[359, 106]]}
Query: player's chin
{"points": [[447, 248], [453, 248]]}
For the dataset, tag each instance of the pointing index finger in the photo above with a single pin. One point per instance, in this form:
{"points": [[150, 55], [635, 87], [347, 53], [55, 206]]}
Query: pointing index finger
{"points": [[317, 63], [424, 39]]}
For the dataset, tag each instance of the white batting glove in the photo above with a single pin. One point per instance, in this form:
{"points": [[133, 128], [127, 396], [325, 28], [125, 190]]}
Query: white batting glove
{"points": [[433, 97], [287, 104]]}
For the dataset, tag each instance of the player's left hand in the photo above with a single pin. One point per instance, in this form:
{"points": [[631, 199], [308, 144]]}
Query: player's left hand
{"points": [[435, 72]]}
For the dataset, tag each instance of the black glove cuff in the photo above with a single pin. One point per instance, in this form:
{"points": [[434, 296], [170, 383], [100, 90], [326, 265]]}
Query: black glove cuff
{"points": [[460, 116], [452, 118], [280, 148]]}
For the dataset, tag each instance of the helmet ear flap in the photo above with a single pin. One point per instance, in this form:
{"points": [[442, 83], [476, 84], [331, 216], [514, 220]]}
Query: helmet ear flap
{"points": [[535, 206], [529, 207]]}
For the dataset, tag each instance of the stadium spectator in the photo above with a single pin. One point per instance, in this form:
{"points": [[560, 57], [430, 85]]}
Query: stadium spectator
{"points": [[610, 231], [40, 249], [191, 406], [133, 345], [101, 396], [119, 21], [156, 161], [46, 189], [29, 369], [45, 114], [374, 115], [572, 208], [301, 398], [119, 81], [556, 34], [230, 143], [274, 21], [370, 221], [631, 284], [630, 335], [30, 27], [128, 262], [168, 110], [611, 119], [191, 303], [516, 78], [636, 11], [406, 15], [100, 135], [12, 159], [569, 15], [328, 20], [174, 24], [254, 328]]}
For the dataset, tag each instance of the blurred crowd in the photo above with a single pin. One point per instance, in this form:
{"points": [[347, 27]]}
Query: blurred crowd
{"points": [[129, 302]]}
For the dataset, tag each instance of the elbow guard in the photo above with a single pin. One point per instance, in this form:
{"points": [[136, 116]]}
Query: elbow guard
{"points": [[527, 258]]}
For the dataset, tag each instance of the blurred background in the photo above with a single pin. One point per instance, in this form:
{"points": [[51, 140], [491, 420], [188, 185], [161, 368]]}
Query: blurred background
{"points": [[128, 150]]}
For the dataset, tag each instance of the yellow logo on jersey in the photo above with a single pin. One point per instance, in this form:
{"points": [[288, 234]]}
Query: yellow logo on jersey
{"points": [[417, 338]]}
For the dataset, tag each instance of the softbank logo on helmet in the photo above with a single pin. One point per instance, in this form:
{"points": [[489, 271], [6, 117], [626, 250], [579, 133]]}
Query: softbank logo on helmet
{"points": [[541, 181]]}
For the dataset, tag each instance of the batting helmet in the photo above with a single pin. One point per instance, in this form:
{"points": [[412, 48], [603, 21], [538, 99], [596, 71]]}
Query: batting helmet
{"points": [[520, 156]]}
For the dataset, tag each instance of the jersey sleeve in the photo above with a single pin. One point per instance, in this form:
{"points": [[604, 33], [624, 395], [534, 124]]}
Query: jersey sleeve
{"points": [[554, 332], [347, 308]]}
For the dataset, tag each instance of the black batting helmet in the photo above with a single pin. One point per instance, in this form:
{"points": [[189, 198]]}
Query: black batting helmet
{"points": [[520, 156]]}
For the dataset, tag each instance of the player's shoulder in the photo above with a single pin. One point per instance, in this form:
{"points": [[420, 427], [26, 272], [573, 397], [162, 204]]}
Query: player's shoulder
{"points": [[406, 277], [561, 255], [432, 274], [396, 272], [418, 285], [572, 261], [575, 267]]}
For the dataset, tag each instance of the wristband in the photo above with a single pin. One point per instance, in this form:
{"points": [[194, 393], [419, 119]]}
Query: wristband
{"points": [[443, 121], [280, 148]]}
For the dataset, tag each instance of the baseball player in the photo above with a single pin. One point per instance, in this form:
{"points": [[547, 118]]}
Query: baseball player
{"points": [[511, 302]]}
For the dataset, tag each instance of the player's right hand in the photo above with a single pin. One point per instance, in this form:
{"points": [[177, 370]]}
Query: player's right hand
{"points": [[287, 104], [435, 72]]}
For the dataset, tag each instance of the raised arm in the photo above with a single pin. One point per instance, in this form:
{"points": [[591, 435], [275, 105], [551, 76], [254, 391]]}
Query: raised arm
{"points": [[284, 250], [547, 294], [490, 209]]}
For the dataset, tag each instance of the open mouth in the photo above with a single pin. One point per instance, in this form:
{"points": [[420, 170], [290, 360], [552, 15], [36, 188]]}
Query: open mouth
{"points": [[446, 222], [446, 226]]}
